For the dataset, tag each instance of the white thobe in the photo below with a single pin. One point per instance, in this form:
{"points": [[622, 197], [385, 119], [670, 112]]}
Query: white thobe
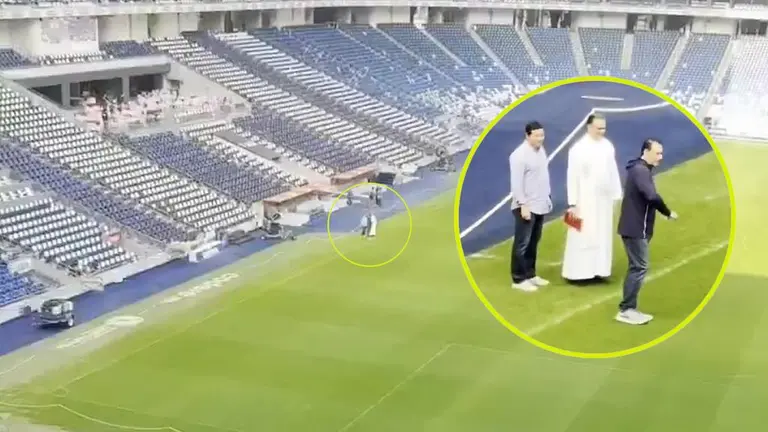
{"points": [[593, 186], [369, 226], [372, 228]]}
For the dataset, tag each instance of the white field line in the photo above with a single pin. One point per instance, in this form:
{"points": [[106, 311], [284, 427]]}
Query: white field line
{"points": [[114, 407], [17, 365], [543, 357], [535, 330], [615, 294], [89, 418], [302, 271], [397, 387], [493, 257], [557, 150]]}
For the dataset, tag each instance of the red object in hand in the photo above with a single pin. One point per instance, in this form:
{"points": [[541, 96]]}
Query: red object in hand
{"points": [[572, 221]]}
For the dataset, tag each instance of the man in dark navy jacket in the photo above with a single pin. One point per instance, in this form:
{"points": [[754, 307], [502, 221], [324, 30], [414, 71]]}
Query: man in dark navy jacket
{"points": [[638, 216]]}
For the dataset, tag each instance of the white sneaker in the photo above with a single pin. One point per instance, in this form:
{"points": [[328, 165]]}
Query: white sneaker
{"points": [[526, 285], [539, 281], [649, 317], [633, 317]]}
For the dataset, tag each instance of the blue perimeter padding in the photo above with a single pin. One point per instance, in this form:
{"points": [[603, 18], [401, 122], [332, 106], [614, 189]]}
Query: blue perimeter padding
{"points": [[561, 110], [20, 332]]}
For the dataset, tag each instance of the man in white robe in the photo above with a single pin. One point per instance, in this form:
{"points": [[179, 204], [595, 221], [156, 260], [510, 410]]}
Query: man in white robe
{"points": [[368, 225], [593, 187], [372, 226]]}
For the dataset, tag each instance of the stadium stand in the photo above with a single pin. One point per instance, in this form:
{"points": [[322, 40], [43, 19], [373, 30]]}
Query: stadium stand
{"points": [[469, 52], [650, 54], [602, 50], [14, 288], [372, 137], [240, 114], [99, 160], [420, 43], [694, 74], [205, 134], [286, 106], [378, 62], [126, 49], [122, 209], [326, 157], [9, 58], [207, 166], [57, 234], [337, 97], [744, 92], [555, 49], [508, 46]]}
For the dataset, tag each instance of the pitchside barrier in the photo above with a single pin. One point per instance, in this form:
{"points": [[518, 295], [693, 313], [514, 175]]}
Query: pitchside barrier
{"points": [[205, 251]]}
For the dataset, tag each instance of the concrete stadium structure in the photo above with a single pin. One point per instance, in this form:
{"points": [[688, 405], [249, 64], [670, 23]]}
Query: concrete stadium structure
{"points": [[316, 97]]}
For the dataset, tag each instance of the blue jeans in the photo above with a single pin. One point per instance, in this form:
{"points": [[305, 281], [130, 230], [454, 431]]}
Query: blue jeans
{"points": [[525, 246], [637, 255]]}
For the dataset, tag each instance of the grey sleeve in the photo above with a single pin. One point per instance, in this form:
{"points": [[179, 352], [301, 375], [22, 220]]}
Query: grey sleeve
{"points": [[517, 175]]}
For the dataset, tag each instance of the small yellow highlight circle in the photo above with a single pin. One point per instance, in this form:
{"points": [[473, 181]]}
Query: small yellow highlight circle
{"points": [[333, 242], [593, 355]]}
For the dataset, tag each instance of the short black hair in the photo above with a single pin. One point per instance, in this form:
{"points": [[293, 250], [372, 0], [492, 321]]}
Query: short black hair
{"points": [[532, 126], [647, 144], [593, 117]]}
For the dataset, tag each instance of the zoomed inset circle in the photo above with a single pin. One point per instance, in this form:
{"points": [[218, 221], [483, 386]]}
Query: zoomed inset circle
{"points": [[688, 257], [354, 262]]}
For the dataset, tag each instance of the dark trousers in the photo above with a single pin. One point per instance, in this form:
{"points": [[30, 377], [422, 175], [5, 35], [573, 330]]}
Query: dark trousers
{"points": [[637, 255], [525, 246]]}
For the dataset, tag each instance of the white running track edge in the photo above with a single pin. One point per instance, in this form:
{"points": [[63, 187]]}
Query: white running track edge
{"points": [[557, 150]]}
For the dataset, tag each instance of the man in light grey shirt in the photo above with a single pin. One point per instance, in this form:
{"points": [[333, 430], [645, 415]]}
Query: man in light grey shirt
{"points": [[531, 201]]}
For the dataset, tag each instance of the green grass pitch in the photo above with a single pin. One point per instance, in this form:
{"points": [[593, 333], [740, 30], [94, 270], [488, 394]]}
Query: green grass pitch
{"points": [[686, 258], [319, 345]]}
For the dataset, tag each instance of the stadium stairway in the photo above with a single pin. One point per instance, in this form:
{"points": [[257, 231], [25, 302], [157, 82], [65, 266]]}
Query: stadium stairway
{"points": [[554, 48], [423, 46], [217, 61], [276, 124], [464, 48], [350, 128], [578, 52], [242, 182], [100, 161], [742, 93], [651, 51], [256, 51], [690, 86], [56, 233], [127, 213], [336, 96], [492, 55], [671, 64], [365, 59], [440, 43], [204, 134], [717, 80], [297, 143]]}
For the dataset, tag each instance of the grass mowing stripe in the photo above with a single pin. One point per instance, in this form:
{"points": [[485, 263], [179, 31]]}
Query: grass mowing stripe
{"points": [[604, 298]]}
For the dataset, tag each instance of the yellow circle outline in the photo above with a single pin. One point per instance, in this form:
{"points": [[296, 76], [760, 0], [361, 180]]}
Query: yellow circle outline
{"points": [[599, 355], [333, 243]]}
